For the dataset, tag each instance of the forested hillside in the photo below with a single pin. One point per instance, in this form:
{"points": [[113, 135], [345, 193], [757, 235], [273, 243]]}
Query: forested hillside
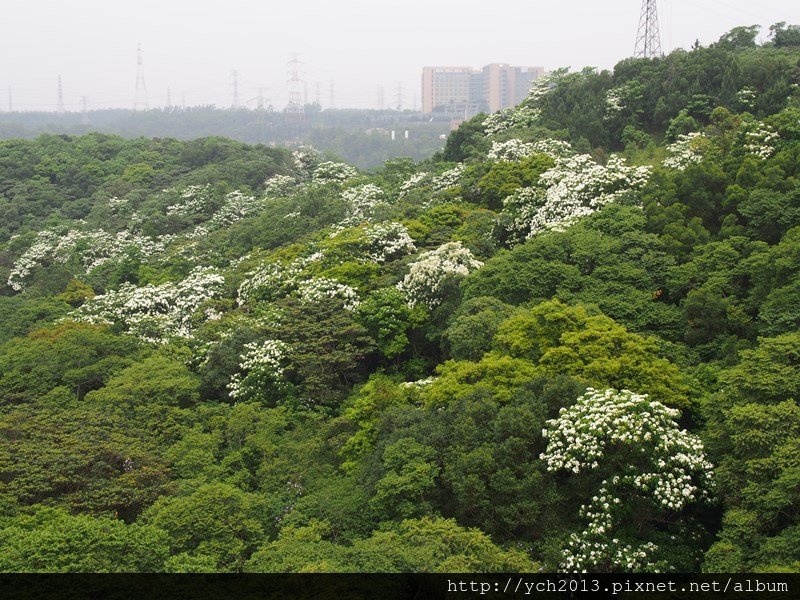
{"points": [[569, 341]]}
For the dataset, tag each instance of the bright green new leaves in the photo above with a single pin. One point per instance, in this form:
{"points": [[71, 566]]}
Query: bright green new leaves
{"points": [[414, 545], [218, 522], [75, 357], [408, 480], [605, 353], [54, 541]]}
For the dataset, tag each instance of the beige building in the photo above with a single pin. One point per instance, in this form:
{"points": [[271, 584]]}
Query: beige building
{"points": [[465, 91]]}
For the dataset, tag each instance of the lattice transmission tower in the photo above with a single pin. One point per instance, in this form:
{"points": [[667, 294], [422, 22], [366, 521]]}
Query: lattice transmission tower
{"points": [[295, 104], [140, 99], [648, 37]]}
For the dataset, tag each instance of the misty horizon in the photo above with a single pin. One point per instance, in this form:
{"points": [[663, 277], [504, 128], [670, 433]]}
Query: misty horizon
{"points": [[354, 54]]}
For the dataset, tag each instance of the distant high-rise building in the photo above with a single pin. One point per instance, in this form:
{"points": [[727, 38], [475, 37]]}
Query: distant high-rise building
{"points": [[464, 91]]}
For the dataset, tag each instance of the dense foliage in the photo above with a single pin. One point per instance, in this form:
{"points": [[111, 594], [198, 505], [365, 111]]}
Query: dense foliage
{"points": [[524, 353]]}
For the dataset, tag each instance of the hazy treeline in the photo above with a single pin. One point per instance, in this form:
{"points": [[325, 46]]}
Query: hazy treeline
{"points": [[361, 137]]}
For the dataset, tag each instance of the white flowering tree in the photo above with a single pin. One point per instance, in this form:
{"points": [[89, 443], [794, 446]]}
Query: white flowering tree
{"points": [[575, 187], [511, 150], [305, 160], [447, 179], [274, 280], [361, 203], [386, 241], [413, 182], [157, 313], [318, 289], [426, 278], [688, 149], [649, 471], [329, 172], [760, 140], [260, 374], [91, 249], [279, 185], [190, 200], [528, 113]]}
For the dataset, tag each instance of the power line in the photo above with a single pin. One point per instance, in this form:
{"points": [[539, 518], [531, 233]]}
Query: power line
{"points": [[648, 37]]}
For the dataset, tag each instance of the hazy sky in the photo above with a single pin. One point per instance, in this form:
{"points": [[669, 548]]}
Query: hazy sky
{"points": [[192, 47]]}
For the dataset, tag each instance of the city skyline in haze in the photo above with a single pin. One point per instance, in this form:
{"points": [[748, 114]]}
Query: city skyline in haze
{"points": [[367, 50]]}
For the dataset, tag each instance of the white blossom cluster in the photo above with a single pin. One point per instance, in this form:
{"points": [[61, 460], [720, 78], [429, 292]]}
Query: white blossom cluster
{"points": [[306, 159], [412, 182], [747, 97], [275, 280], [511, 150], [656, 461], [260, 367], [279, 185], [191, 200], [526, 114], [553, 148], [614, 102], [156, 313], [582, 553], [361, 202], [328, 172], [515, 150], [575, 187], [448, 179], [518, 116], [272, 281], [419, 383], [116, 203], [95, 248], [760, 139], [317, 289], [426, 277], [687, 149], [387, 241], [235, 207], [540, 87]]}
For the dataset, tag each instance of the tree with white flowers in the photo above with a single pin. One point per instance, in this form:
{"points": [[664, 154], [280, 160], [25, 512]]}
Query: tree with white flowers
{"points": [[426, 278], [157, 313], [647, 473], [575, 187], [260, 375]]}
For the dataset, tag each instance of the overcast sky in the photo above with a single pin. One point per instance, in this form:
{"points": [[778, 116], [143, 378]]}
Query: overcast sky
{"points": [[192, 47]]}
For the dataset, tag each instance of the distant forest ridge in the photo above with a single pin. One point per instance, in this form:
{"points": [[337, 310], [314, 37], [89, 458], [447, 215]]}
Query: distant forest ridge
{"points": [[361, 137]]}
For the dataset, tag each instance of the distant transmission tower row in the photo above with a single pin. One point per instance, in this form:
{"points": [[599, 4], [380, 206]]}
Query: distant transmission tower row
{"points": [[648, 37]]}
